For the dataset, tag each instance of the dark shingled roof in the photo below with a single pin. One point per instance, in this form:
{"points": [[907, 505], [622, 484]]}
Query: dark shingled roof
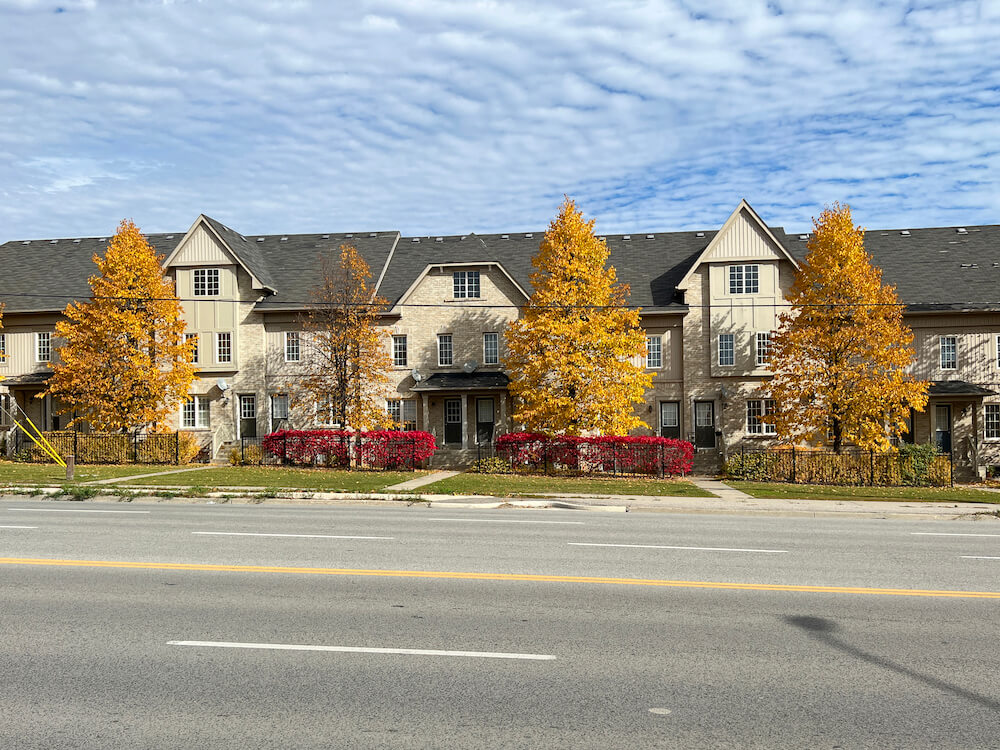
{"points": [[957, 388], [934, 269], [651, 267], [462, 381]]}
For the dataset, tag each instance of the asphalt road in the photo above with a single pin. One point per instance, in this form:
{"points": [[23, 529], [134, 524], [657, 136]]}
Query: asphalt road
{"points": [[688, 640]]}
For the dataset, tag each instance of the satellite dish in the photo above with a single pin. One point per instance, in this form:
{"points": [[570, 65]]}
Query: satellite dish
{"points": [[417, 376], [223, 385], [470, 366]]}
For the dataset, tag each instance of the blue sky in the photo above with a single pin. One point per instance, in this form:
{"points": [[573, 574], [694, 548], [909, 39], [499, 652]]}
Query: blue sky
{"points": [[449, 116]]}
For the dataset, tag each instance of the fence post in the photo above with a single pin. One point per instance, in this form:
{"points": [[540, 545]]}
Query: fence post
{"points": [[793, 464], [75, 447], [545, 455], [177, 448], [871, 467], [135, 447], [662, 467], [951, 468], [413, 452], [284, 452]]}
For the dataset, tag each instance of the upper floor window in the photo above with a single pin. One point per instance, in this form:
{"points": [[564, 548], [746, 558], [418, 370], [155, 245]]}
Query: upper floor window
{"points": [[654, 352], [992, 421], [762, 350], [223, 347], [196, 412], [3, 348], [189, 338], [491, 348], [949, 352], [744, 279], [446, 354], [399, 357], [465, 284], [206, 282], [43, 346], [755, 410], [727, 350], [293, 348]]}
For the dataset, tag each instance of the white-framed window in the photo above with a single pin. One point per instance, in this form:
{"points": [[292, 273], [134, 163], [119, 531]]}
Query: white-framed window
{"points": [[188, 338], [293, 346], [757, 408], [465, 284], [727, 350], [399, 356], [324, 409], [43, 346], [403, 412], [491, 348], [279, 406], [949, 352], [991, 421], [654, 352], [3, 348], [744, 279], [762, 348], [206, 282], [196, 413], [224, 347], [446, 353]]}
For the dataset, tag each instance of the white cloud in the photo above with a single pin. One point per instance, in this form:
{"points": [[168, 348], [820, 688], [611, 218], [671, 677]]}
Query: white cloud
{"points": [[450, 115]]}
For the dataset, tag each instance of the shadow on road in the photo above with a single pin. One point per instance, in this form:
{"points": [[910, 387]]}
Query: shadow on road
{"points": [[824, 630]]}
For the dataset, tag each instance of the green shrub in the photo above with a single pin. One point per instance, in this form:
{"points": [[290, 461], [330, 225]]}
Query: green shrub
{"points": [[491, 465]]}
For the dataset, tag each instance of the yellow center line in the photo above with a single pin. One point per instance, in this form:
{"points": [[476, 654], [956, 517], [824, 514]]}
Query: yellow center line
{"points": [[465, 576]]}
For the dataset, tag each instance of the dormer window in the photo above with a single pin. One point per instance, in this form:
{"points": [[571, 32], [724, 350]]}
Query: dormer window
{"points": [[744, 279], [206, 282], [465, 284]]}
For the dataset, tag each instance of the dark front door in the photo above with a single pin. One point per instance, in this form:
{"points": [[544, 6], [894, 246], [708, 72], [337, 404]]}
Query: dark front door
{"points": [[248, 416], [704, 424], [942, 427], [670, 419], [453, 421], [484, 421]]}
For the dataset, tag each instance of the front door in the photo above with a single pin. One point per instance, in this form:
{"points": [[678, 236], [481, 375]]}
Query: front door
{"points": [[453, 421], [942, 427], [670, 419], [704, 424], [248, 416], [484, 421]]}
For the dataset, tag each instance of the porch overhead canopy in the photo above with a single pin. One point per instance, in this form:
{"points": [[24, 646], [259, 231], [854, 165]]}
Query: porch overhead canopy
{"points": [[463, 381], [957, 388], [27, 380]]}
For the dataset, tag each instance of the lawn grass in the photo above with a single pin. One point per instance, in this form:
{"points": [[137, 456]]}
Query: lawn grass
{"points": [[829, 492], [275, 478], [502, 485], [49, 474]]}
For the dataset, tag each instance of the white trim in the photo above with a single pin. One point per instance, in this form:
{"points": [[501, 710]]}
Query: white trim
{"points": [[255, 283], [442, 266], [684, 282]]}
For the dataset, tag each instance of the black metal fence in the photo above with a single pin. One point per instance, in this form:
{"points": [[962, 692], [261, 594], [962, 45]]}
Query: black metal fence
{"points": [[399, 452], [559, 457], [852, 467], [102, 447]]}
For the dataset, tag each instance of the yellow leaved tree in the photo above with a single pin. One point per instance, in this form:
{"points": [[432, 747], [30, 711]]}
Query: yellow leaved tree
{"points": [[840, 356], [346, 373], [571, 355], [122, 361]]}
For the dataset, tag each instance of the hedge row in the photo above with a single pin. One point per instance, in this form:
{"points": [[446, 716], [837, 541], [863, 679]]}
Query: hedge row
{"points": [[605, 454], [376, 449]]}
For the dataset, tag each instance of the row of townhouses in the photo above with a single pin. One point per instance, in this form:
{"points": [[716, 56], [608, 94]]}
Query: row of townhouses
{"points": [[709, 302]]}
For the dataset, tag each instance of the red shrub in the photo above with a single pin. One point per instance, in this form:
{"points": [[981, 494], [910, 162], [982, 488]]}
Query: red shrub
{"points": [[378, 449], [610, 454]]}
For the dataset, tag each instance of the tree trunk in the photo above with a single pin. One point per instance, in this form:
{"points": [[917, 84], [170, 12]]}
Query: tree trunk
{"points": [[838, 436]]}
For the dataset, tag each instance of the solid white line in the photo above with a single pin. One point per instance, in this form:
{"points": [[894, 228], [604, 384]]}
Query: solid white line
{"points": [[662, 546], [501, 520], [978, 557], [945, 533], [364, 650], [76, 510], [18, 527], [299, 536]]}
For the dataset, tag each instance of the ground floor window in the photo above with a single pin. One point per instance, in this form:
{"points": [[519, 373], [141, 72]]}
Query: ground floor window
{"points": [[992, 421], [279, 406], [403, 413], [196, 412], [756, 409]]}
